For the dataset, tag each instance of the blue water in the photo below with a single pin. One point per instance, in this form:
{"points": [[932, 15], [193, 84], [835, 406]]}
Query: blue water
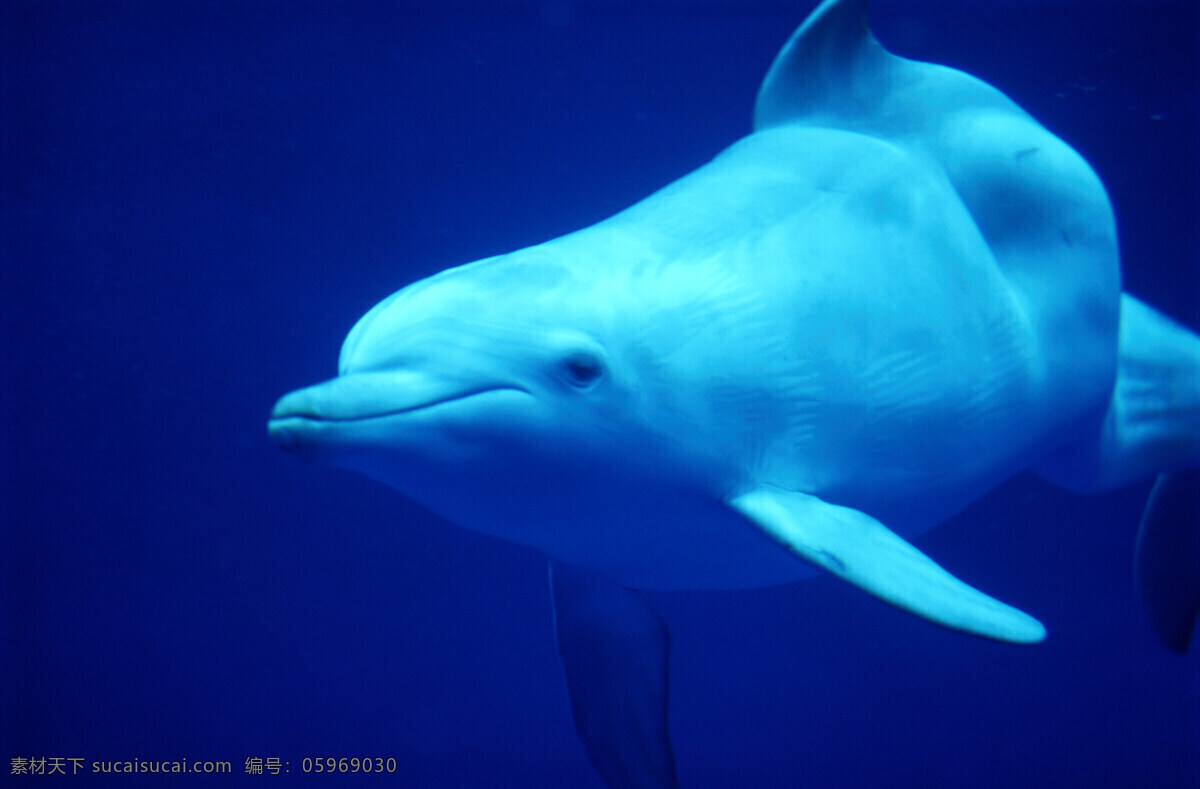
{"points": [[200, 198]]}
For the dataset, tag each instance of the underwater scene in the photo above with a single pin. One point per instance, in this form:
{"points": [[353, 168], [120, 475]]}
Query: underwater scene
{"points": [[732, 415]]}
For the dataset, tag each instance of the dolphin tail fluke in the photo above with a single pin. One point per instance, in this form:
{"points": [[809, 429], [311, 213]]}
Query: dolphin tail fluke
{"points": [[1167, 563], [1152, 424], [615, 650], [1152, 427]]}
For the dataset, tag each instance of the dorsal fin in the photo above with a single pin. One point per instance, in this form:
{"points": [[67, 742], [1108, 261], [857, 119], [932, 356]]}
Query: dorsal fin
{"points": [[832, 58], [832, 72]]}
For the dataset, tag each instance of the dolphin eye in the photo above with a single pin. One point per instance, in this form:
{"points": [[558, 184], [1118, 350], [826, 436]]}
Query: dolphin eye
{"points": [[583, 369]]}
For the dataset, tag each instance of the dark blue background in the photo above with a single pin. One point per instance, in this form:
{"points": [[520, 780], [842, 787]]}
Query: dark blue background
{"points": [[200, 198]]}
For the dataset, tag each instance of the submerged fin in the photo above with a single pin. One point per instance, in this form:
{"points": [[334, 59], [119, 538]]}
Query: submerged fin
{"points": [[614, 649], [1167, 563], [861, 550]]}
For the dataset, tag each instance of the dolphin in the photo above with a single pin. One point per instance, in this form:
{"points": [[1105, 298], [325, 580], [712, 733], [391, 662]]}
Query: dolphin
{"points": [[897, 292]]}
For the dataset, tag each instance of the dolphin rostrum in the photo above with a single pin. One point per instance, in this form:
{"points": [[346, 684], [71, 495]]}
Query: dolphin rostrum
{"points": [[897, 292]]}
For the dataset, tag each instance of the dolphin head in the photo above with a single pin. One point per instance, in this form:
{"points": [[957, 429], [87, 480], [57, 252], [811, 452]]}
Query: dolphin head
{"points": [[493, 393]]}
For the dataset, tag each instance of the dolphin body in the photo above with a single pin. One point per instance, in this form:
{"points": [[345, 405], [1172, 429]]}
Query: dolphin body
{"points": [[897, 292]]}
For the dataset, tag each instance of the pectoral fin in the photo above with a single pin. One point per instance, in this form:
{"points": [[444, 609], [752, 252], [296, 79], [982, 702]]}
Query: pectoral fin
{"points": [[860, 549], [614, 649]]}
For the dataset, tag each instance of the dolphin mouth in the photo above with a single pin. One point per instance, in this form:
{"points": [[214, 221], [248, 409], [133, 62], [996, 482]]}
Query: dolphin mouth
{"points": [[284, 410], [309, 417]]}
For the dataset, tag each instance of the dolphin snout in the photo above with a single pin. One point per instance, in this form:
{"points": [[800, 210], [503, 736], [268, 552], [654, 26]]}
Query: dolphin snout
{"points": [[285, 435], [292, 426]]}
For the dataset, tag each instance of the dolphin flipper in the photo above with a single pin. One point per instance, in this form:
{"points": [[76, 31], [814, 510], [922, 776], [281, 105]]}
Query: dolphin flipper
{"points": [[861, 550], [614, 649], [1167, 564]]}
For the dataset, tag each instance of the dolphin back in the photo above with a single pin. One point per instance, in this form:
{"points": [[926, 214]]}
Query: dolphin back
{"points": [[1040, 207]]}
